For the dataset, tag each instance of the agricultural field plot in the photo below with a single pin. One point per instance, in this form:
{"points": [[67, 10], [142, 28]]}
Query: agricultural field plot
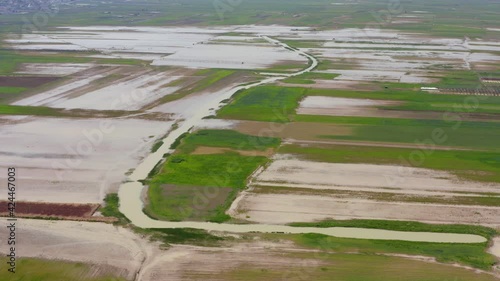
{"points": [[74, 160], [337, 106], [194, 170], [257, 140], [277, 261]]}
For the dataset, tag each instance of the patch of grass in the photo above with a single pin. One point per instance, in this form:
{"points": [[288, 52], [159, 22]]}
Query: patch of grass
{"points": [[474, 255], [409, 226], [29, 269], [467, 165], [310, 77], [11, 60], [466, 134], [189, 236], [227, 139], [156, 146], [111, 208], [10, 92], [178, 141], [225, 173], [348, 267], [264, 103]]}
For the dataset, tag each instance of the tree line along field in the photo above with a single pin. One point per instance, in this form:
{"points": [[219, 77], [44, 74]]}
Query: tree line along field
{"points": [[180, 185]]}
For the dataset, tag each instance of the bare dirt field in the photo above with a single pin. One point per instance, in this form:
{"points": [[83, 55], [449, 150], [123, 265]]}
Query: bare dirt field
{"points": [[287, 208], [206, 150], [339, 175], [295, 130]]}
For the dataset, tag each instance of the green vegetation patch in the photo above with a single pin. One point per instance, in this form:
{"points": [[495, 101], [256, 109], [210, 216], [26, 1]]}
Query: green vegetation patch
{"points": [[188, 236], [28, 269], [221, 170], [111, 208], [348, 267], [474, 135], [202, 187], [211, 77], [410, 226], [11, 90], [227, 139], [30, 110], [474, 255], [413, 99], [309, 77], [264, 103], [199, 187]]}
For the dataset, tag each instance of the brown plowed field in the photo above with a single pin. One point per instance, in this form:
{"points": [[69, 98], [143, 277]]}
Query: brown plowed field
{"points": [[30, 209]]}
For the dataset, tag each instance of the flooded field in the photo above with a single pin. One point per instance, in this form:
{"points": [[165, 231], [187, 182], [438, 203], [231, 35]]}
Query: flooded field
{"points": [[74, 160]]}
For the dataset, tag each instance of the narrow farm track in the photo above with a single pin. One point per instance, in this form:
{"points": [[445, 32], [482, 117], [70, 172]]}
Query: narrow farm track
{"points": [[132, 206]]}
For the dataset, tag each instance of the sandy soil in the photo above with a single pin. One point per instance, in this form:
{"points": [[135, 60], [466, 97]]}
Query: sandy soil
{"points": [[287, 208], [334, 84], [123, 253], [295, 130], [330, 106], [316, 174], [67, 87], [73, 160], [57, 69]]}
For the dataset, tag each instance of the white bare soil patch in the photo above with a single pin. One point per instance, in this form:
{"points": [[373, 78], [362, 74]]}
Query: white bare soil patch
{"points": [[74, 160], [338, 175], [56, 69], [287, 208], [141, 89], [316, 105]]}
